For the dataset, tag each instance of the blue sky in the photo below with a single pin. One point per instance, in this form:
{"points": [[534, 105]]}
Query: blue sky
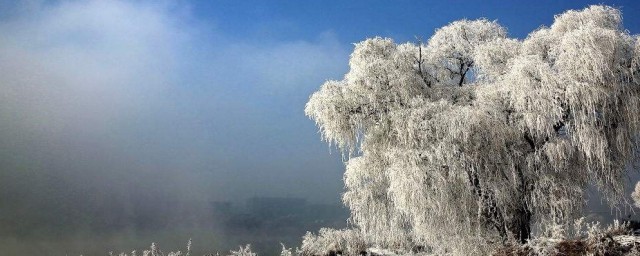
{"points": [[352, 21], [205, 98]]}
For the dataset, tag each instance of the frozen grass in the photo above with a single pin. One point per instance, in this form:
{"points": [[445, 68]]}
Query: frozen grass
{"points": [[585, 239], [154, 250], [578, 239]]}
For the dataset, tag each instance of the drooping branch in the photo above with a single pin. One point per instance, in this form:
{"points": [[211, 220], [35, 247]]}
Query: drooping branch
{"points": [[490, 211]]}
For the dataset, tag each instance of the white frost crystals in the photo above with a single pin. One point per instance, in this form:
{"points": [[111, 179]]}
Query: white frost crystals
{"points": [[636, 195], [466, 142]]}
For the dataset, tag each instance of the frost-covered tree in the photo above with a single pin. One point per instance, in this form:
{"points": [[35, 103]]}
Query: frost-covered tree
{"points": [[473, 138]]}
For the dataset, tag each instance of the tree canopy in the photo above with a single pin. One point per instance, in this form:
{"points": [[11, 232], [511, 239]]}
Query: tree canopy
{"points": [[476, 137]]}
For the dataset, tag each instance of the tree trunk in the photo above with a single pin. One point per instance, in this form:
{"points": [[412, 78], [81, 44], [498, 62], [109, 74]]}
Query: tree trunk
{"points": [[520, 224], [490, 212]]}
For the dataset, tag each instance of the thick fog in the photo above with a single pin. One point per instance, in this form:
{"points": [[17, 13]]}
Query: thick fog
{"points": [[109, 107]]}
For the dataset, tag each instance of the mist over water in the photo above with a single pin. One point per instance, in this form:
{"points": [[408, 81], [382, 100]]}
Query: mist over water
{"points": [[213, 226]]}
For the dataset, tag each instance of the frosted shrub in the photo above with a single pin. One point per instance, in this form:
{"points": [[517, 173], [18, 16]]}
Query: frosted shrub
{"points": [[583, 239], [289, 251], [243, 251], [286, 251], [344, 241]]}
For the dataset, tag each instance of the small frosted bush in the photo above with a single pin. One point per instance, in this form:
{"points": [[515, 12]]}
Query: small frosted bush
{"points": [[289, 251], [332, 241], [243, 251]]}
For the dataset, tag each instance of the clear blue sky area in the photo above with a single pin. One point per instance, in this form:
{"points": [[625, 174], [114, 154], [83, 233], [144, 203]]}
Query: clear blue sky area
{"points": [[402, 20]]}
